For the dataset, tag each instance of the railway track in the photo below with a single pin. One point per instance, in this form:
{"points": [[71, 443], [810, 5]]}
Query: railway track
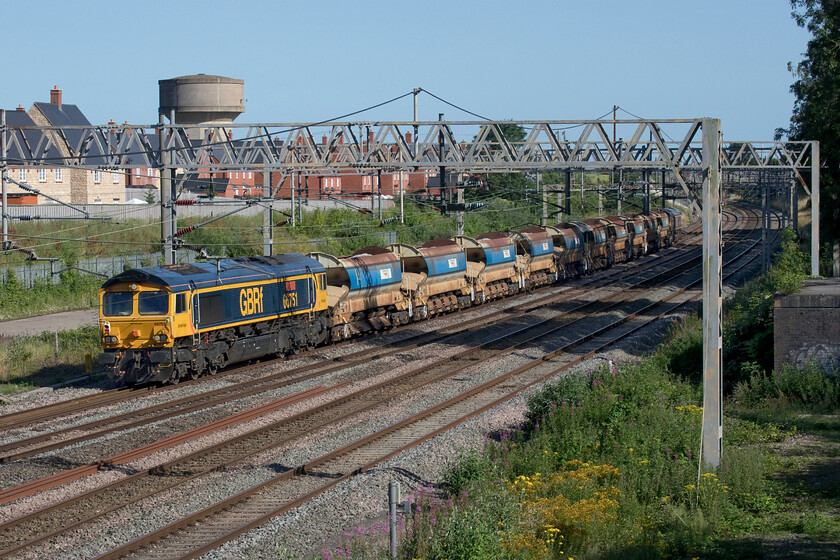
{"points": [[60, 438], [215, 525], [56, 439], [35, 525]]}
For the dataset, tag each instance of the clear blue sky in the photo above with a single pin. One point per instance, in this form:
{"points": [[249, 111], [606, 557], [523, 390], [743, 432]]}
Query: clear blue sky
{"points": [[309, 61]]}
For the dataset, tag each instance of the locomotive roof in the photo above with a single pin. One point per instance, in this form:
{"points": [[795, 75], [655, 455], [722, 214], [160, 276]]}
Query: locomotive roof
{"points": [[179, 277]]}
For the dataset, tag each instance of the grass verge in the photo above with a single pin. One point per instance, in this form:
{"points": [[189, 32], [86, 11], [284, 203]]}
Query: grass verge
{"points": [[32, 361]]}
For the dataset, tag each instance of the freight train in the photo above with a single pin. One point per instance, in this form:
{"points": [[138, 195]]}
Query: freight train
{"points": [[161, 324]]}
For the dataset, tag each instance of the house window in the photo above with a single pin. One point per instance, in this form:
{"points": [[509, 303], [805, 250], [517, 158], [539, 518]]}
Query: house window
{"points": [[116, 200], [58, 175], [250, 174], [149, 172], [42, 175], [115, 177], [97, 176], [21, 175]]}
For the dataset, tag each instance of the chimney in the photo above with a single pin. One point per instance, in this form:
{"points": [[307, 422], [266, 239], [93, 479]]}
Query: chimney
{"points": [[370, 137], [55, 96], [408, 137], [19, 108], [324, 139]]}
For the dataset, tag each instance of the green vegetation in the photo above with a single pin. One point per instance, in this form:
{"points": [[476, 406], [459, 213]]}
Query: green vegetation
{"points": [[74, 291], [31, 361], [817, 93], [748, 318], [607, 465]]}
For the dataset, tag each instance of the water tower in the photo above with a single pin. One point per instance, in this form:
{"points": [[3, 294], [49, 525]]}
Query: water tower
{"points": [[202, 100]]}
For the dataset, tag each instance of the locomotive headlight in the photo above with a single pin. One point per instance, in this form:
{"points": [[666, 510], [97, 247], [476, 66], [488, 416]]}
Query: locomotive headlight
{"points": [[160, 338], [110, 340]]}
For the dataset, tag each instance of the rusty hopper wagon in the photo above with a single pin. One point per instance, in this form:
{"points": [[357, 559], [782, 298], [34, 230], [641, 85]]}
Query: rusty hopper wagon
{"points": [[570, 252], [537, 246], [363, 291], [434, 277], [493, 268]]}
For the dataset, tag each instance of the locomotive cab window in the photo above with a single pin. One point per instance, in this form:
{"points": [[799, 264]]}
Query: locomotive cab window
{"points": [[116, 304], [152, 303], [181, 303], [322, 281]]}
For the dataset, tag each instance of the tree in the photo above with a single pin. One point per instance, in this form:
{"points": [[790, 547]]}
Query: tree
{"points": [[150, 196], [816, 111]]}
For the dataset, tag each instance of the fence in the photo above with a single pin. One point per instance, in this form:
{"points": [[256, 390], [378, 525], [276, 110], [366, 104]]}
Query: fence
{"points": [[30, 274], [149, 212]]}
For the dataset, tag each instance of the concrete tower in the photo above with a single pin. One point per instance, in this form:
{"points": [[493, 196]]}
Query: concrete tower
{"points": [[202, 99]]}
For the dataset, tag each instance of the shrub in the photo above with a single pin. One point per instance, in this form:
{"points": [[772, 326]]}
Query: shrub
{"points": [[807, 387]]}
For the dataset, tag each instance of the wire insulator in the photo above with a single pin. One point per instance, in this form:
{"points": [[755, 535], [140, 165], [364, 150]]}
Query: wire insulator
{"points": [[185, 202], [184, 231]]}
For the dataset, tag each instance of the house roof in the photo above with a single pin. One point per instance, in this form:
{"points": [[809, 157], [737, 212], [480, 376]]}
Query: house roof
{"points": [[62, 115], [24, 144], [70, 115]]}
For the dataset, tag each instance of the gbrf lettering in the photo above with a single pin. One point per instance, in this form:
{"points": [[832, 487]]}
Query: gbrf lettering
{"points": [[250, 301]]}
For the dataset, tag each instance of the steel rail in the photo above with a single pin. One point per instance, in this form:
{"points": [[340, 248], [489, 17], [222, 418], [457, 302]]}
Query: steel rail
{"points": [[260, 508], [177, 465]]}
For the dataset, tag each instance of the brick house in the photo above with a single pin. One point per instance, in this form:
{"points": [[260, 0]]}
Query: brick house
{"points": [[52, 181], [85, 186]]}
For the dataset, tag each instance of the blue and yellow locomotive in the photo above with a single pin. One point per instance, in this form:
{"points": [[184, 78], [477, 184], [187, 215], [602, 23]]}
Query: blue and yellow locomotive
{"points": [[165, 323]]}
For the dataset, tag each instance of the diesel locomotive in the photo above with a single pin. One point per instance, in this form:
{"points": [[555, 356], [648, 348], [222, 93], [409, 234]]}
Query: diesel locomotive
{"points": [[161, 324]]}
